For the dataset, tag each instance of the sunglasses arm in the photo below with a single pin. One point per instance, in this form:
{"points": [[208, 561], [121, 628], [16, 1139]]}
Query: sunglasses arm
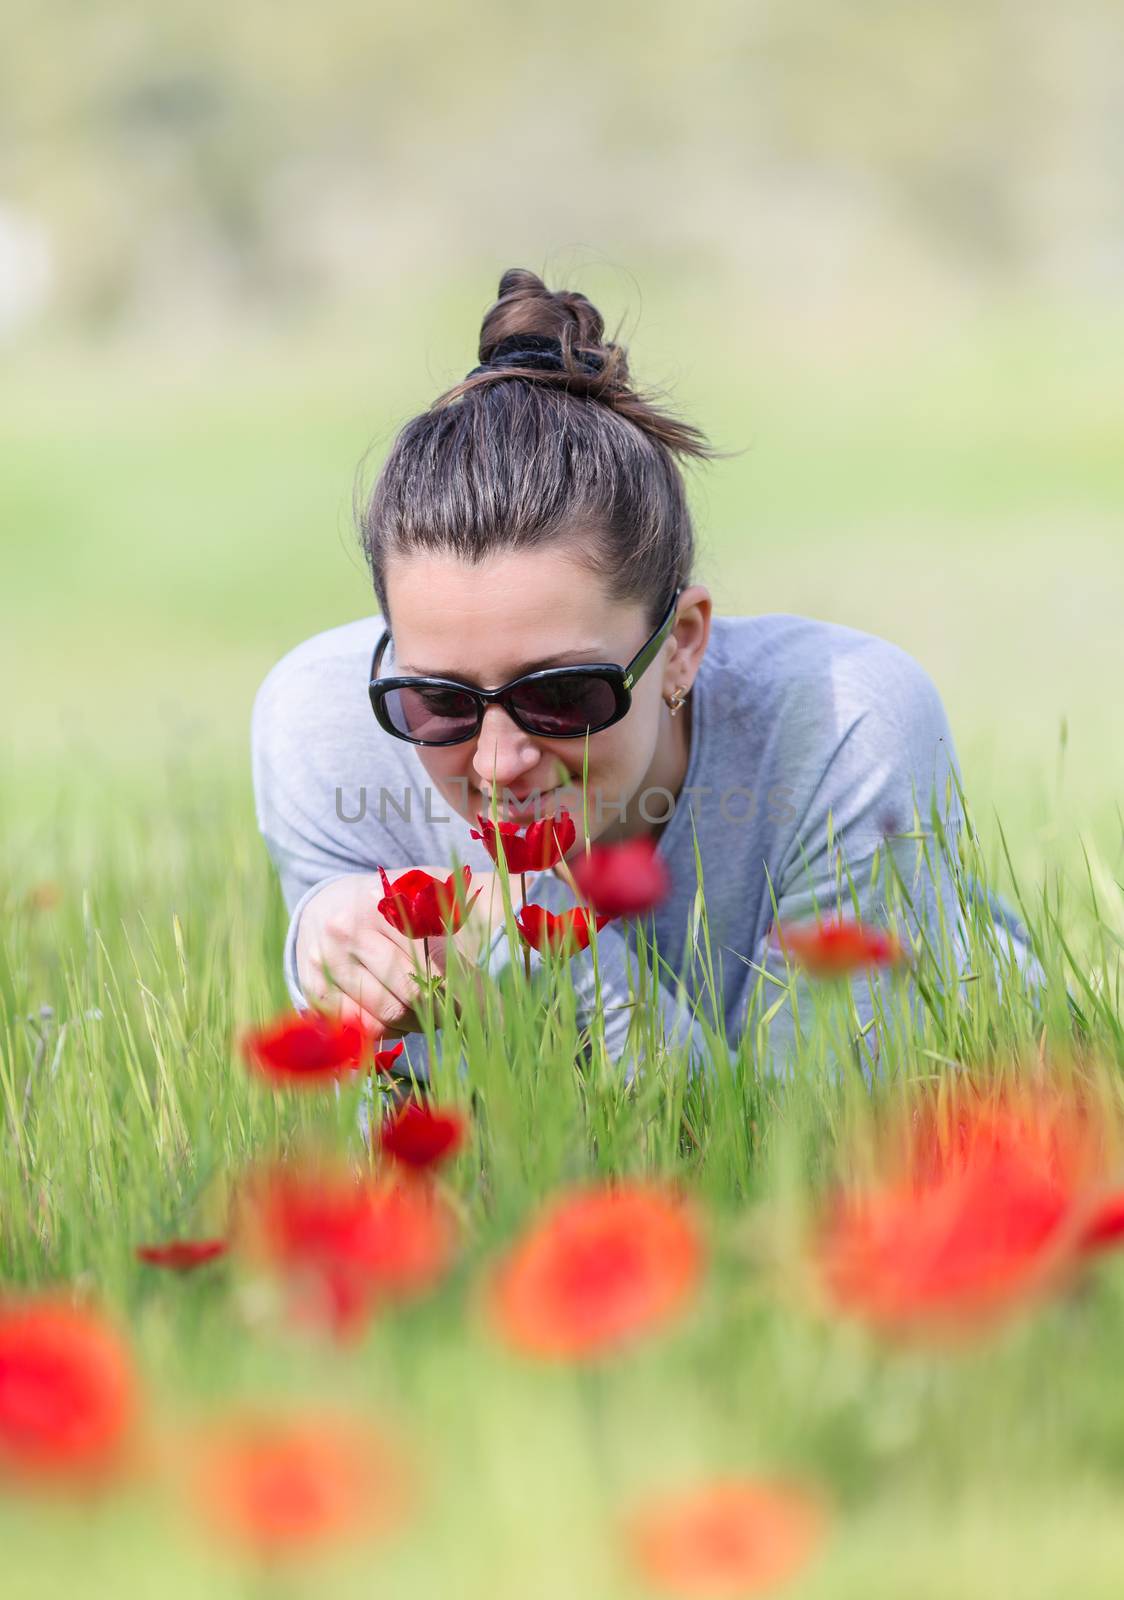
{"points": [[648, 652]]}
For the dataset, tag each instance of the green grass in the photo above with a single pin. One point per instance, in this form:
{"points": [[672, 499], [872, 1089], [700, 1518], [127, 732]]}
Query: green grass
{"points": [[993, 1471], [172, 527]]}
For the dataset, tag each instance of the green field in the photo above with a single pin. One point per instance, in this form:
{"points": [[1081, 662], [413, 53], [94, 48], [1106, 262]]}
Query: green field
{"points": [[173, 520]]}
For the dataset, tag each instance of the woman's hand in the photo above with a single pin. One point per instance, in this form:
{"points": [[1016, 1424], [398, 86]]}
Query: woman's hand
{"points": [[352, 963]]}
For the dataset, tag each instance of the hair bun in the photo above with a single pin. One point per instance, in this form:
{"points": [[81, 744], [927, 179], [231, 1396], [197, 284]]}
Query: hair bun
{"points": [[555, 340], [535, 352], [528, 316]]}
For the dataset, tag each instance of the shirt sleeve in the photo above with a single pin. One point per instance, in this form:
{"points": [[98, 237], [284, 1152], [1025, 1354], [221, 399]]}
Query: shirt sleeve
{"points": [[873, 844], [298, 768]]}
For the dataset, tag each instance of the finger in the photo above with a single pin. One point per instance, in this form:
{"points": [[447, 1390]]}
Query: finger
{"points": [[348, 971], [379, 969], [337, 1002], [334, 993], [344, 1007], [314, 972], [340, 934], [390, 956], [388, 997]]}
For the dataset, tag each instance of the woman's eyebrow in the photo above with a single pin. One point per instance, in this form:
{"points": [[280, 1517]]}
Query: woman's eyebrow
{"points": [[590, 653]]}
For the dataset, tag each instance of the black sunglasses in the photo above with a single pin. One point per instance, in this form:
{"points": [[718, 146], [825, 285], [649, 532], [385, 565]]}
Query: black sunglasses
{"points": [[555, 703]]}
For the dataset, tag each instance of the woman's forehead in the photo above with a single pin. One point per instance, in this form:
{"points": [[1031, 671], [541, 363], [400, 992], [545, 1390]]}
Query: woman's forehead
{"points": [[493, 621]]}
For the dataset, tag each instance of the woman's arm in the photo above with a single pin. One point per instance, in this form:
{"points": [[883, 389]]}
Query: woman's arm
{"points": [[867, 846], [328, 794]]}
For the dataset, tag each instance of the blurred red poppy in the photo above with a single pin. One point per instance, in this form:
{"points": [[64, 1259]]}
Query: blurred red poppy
{"points": [[283, 1487], [182, 1255], [343, 1241], [728, 1537], [421, 1136], [424, 907], [1105, 1227], [623, 880], [67, 1392], [600, 1267], [568, 931], [835, 949], [44, 896], [987, 1205], [533, 848], [307, 1048]]}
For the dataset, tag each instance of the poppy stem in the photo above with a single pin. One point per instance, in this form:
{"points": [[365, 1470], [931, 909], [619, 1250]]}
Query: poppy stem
{"points": [[562, 868], [428, 969], [523, 907], [592, 1387]]}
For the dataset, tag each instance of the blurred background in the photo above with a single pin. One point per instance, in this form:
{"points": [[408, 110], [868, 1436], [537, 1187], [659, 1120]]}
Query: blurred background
{"points": [[878, 252]]}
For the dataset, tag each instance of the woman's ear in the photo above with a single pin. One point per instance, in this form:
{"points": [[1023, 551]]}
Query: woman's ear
{"points": [[688, 638]]}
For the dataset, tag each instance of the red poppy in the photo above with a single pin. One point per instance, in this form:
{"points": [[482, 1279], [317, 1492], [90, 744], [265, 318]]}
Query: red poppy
{"points": [[67, 1392], [732, 1536], [308, 1047], [601, 1267], [532, 848], [1106, 1226], [570, 931], [182, 1255], [835, 949], [623, 880], [424, 907], [282, 1487], [980, 1214], [421, 1136], [44, 896], [343, 1241]]}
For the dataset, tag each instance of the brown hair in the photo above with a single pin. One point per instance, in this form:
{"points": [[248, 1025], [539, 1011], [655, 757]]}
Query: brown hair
{"points": [[542, 446]]}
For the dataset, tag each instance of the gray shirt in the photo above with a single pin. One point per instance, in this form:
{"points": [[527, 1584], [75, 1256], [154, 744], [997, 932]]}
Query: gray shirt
{"points": [[810, 745]]}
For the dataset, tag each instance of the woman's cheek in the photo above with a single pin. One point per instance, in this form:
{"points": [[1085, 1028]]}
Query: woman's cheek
{"points": [[446, 775]]}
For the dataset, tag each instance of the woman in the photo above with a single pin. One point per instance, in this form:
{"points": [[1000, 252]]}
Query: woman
{"points": [[534, 518]]}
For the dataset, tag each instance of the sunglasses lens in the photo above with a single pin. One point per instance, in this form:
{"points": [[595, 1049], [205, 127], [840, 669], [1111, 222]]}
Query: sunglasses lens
{"points": [[437, 715], [563, 707]]}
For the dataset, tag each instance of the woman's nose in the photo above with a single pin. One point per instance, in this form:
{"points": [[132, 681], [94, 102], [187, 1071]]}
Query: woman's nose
{"points": [[504, 750]]}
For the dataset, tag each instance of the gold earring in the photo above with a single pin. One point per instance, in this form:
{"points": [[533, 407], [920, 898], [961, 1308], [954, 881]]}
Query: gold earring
{"points": [[674, 701]]}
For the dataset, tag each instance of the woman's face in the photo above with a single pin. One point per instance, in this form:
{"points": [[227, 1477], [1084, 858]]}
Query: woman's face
{"points": [[488, 624]]}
